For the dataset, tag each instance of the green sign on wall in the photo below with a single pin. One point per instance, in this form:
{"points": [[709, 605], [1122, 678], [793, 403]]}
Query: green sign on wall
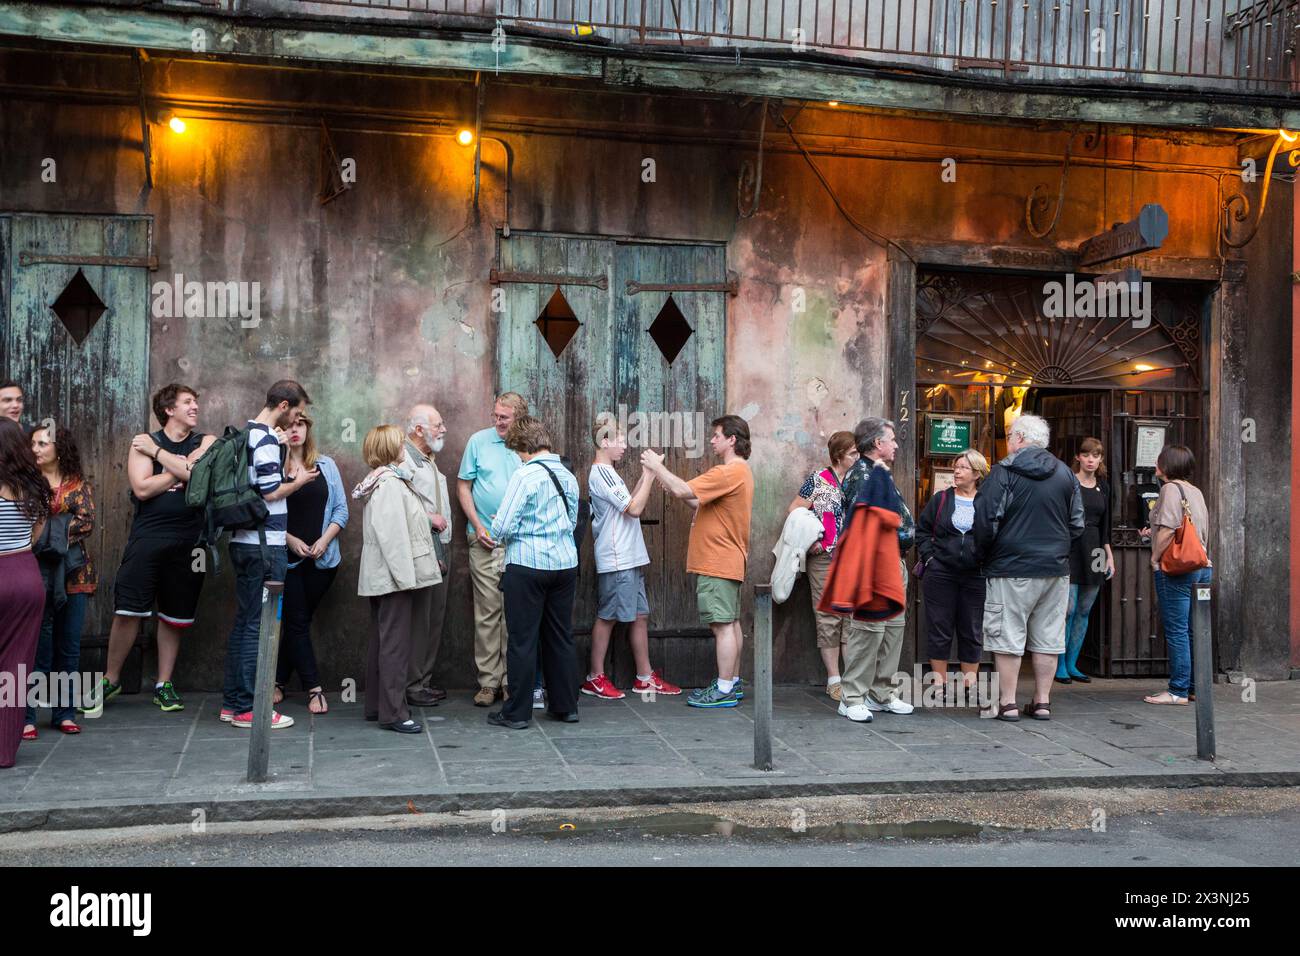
{"points": [[948, 435]]}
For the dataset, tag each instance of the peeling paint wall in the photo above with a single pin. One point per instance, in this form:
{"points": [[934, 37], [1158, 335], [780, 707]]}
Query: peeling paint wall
{"points": [[381, 298]]}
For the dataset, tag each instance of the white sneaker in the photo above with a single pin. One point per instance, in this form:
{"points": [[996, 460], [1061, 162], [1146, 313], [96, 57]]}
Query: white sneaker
{"points": [[895, 706], [857, 713], [539, 699]]}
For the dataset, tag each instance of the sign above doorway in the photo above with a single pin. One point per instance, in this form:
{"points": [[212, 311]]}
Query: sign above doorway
{"points": [[1142, 234]]}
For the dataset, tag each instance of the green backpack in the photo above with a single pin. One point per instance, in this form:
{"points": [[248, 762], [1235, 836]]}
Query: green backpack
{"points": [[219, 485]]}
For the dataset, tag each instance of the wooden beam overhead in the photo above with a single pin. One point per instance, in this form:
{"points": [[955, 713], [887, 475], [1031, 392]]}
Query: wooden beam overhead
{"points": [[340, 41]]}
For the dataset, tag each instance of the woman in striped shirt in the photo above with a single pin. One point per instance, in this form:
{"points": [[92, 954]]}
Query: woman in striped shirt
{"points": [[24, 506], [535, 522]]}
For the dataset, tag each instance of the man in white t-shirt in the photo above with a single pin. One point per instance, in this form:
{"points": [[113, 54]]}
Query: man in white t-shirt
{"points": [[621, 558]]}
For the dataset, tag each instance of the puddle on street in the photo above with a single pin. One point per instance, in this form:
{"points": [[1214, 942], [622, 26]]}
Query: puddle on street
{"points": [[706, 824]]}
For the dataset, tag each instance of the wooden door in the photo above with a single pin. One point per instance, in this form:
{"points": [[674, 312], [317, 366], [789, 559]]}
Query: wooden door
{"points": [[675, 371], [92, 379], [567, 389]]}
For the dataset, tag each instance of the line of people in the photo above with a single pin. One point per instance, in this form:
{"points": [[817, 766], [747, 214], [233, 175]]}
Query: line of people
{"points": [[1010, 559]]}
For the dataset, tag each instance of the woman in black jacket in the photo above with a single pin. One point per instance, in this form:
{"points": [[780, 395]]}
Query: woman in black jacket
{"points": [[952, 586]]}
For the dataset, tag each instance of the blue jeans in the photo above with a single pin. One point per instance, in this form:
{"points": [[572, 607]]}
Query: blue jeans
{"points": [[58, 651], [241, 649], [1082, 598], [1174, 592]]}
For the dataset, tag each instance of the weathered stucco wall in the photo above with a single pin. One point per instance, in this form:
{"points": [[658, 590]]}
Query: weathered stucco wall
{"points": [[381, 298]]}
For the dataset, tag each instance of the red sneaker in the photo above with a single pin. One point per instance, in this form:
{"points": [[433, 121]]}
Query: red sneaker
{"points": [[279, 721], [600, 686], [226, 715], [656, 684]]}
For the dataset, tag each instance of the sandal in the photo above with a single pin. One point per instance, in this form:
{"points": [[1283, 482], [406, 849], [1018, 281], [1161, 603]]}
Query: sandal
{"points": [[278, 696], [29, 732], [317, 698], [1002, 712], [68, 727], [1165, 697], [1038, 711]]}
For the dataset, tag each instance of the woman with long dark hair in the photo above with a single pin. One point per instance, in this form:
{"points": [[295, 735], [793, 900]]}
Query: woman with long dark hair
{"points": [[1091, 560], [68, 573], [24, 506], [317, 513]]}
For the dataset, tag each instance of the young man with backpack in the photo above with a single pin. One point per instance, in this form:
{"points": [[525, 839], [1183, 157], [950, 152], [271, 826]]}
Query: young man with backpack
{"points": [[621, 558], [159, 563], [258, 549]]}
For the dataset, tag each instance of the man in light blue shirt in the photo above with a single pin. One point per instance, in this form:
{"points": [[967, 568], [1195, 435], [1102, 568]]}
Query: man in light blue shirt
{"points": [[485, 471], [536, 522]]}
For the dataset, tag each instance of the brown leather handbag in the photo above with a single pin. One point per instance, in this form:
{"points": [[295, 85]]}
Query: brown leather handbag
{"points": [[1185, 553]]}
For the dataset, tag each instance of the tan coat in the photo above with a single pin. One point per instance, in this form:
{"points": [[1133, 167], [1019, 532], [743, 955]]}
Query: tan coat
{"points": [[397, 543]]}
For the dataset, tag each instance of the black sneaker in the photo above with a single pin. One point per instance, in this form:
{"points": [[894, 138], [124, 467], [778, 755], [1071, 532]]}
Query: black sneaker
{"points": [[105, 692], [167, 699]]}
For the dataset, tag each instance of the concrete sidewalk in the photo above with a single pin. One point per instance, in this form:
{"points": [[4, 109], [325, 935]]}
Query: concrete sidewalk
{"points": [[136, 765]]}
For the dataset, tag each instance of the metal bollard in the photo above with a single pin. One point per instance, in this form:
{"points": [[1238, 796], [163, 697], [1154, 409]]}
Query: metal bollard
{"points": [[268, 648], [1203, 671], [763, 677]]}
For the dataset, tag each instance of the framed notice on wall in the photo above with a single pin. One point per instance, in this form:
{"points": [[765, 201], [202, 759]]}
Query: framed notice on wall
{"points": [[1148, 439], [948, 435]]}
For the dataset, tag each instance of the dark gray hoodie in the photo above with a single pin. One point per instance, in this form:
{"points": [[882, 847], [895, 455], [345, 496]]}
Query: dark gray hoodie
{"points": [[1028, 512]]}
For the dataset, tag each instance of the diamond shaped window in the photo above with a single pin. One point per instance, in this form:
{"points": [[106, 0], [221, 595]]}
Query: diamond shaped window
{"points": [[78, 307], [670, 330], [557, 323]]}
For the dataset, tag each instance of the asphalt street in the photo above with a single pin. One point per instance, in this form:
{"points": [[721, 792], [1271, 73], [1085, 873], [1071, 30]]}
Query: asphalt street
{"points": [[1140, 828]]}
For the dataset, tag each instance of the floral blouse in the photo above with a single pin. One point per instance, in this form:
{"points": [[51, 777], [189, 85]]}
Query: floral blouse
{"points": [[76, 497], [822, 488]]}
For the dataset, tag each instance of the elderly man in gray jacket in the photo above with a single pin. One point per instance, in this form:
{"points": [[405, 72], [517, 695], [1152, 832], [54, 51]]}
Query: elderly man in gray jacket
{"points": [[1028, 512], [424, 438]]}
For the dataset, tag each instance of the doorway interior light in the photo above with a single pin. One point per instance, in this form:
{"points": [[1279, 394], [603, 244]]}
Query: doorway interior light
{"points": [[833, 103], [1143, 367], [176, 124], [465, 137]]}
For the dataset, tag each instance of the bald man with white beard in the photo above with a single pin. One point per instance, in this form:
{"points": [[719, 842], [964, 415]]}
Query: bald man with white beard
{"points": [[424, 437]]}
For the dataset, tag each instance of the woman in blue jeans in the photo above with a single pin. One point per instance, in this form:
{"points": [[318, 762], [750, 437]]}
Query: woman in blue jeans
{"points": [[1174, 468], [69, 577], [1092, 563]]}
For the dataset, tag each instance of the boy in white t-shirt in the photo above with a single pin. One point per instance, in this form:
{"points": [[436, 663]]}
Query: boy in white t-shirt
{"points": [[621, 558]]}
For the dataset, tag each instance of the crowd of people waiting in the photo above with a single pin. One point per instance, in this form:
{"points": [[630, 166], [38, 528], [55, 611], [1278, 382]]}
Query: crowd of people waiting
{"points": [[1010, 559]]}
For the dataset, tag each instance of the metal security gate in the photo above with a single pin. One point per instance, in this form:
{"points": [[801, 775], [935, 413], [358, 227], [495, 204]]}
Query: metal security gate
{"points": [[634, 328], [983, 337], [75, 305]]}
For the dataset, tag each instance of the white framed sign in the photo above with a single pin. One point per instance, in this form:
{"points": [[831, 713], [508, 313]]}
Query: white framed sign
{"points": [[943, 479], [1147, 443]]}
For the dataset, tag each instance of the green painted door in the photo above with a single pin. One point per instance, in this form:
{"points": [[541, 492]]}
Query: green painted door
{"points": [[609, 361], [90, 377], [684, 391]]}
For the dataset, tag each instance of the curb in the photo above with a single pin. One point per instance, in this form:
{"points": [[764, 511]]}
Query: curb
{"points": [[181, 811]]}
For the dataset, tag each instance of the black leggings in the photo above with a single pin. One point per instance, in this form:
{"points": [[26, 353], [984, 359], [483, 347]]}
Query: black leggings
{"points": [[304, 588], [954, 607]]}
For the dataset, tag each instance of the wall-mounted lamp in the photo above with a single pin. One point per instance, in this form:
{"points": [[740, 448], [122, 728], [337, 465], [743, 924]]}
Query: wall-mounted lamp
{"points": [[465, 137], [176, 124]]}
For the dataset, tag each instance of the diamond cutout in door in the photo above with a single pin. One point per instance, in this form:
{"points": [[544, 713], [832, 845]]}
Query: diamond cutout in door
{"points": [[670, 330], [78, 307], [557, 323]]}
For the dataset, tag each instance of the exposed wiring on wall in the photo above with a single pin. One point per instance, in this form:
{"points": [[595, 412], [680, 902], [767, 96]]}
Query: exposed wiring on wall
{"points": [[753, 171], [882, 241]]}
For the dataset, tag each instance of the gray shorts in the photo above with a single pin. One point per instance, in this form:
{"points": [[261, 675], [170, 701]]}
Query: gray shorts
{"points": [[620, 595], [1026, 614]]}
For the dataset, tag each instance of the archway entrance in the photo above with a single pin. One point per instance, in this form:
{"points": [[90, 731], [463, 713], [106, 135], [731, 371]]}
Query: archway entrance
{"points": [[990, 346]]}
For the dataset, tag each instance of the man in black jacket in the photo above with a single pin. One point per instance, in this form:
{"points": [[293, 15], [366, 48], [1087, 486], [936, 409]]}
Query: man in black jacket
{"points": [[1027, 514]]}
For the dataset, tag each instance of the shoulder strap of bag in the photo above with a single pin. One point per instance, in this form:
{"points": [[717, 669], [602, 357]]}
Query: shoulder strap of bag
{"points": [[558, 487]]}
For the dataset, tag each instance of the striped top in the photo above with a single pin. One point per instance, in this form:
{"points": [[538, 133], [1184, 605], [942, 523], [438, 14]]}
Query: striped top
{"points": [[264, 472], [15, 527], [534, 522]]}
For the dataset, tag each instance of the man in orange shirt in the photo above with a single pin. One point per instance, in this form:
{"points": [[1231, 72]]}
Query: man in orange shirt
{"points": [[719, 544]]}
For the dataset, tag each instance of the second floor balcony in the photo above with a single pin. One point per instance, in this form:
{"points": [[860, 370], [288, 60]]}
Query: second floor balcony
{"points": [[1202, 45]]}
